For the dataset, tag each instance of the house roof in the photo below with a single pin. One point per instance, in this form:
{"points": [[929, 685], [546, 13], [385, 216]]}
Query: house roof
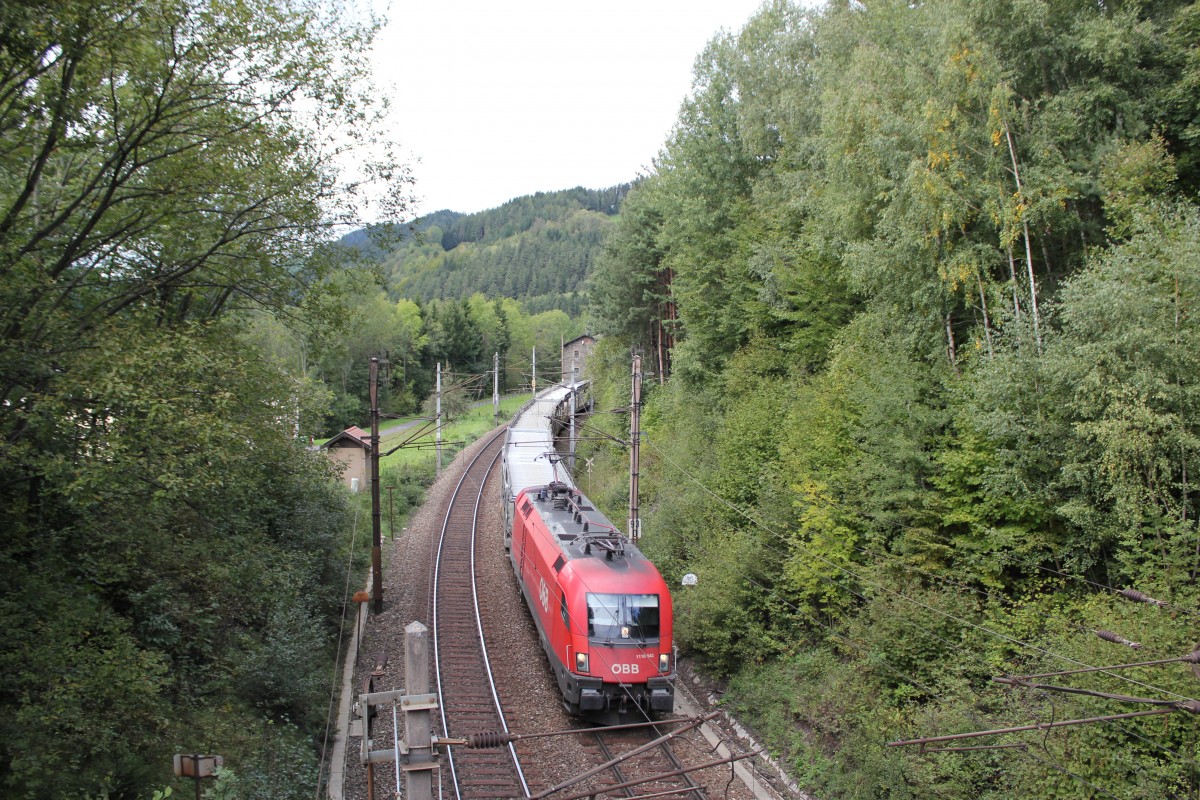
{"points": [[353, 435], [579, 339]]}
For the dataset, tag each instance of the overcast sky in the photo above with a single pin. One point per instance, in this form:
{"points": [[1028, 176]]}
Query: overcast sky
{"points": [[501, 98]]}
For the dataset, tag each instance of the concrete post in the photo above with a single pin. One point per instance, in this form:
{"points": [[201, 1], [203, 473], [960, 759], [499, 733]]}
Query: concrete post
{"points": [[418, 781]]}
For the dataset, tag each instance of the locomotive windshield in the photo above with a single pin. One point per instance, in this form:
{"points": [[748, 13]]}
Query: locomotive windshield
{"points": [[622, 616]]}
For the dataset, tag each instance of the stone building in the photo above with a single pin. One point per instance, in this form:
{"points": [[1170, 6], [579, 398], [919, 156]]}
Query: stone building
{"points": [[576, 352]]}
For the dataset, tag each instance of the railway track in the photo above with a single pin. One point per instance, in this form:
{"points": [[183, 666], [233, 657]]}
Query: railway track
{"points": [[555, 766], [469, 700], [608, 764], [649, 773], [636, 762]]}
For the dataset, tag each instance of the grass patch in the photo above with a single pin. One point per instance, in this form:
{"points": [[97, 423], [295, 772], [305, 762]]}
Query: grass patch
{"points": [[457, 434], [412, 468]]}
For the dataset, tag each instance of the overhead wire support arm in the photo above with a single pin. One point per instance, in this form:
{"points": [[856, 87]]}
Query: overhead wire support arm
{"points": [[1037, 726], [1182, 705], [433, 445], [1191, 658], [599, 435], [1025, 681], [462, 381], [422, 431], [970, 748]]}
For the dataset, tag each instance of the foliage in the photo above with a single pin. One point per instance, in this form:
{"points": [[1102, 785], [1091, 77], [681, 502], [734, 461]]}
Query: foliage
{"points": [[168, 181], [284, 675], [330, 366], [461, 289], [625, 285], [1125, 368], [162, 549], [928, 272], [280, 766]]}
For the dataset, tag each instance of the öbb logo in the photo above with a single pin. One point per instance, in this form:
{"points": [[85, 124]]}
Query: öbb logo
{"points": [[544, 596]]}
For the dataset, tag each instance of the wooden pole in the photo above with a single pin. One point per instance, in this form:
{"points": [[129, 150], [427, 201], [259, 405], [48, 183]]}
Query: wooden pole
{"points": [[438, 423], [376, 533]]}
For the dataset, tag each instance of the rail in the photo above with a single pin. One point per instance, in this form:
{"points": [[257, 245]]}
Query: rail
{"points": [[449, 586]]}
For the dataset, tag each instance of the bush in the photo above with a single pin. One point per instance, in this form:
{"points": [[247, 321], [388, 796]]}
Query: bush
{"points": [[285, 675]]}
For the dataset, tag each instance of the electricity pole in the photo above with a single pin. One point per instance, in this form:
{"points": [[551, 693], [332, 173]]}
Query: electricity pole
{"points": [[376, 534], [438, 419], [495, 389], [635, 414], [574, 402]]}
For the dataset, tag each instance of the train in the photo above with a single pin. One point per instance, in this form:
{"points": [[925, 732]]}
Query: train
{"points": [[602, 610]]}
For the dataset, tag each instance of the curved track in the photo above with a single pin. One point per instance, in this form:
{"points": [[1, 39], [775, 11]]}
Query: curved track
{"points": [[467, 693]]}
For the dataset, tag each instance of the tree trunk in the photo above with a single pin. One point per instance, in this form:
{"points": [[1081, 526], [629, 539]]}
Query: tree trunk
{"points": [[951, 348], [1033, 307], [987, 324], [1012, 275]]}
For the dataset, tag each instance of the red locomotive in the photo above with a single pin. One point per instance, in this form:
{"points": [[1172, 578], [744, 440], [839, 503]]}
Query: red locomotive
{"points": [[602, 610]]}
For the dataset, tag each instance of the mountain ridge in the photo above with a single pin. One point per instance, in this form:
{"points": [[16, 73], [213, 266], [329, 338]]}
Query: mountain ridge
{"points": [[536, 248]]}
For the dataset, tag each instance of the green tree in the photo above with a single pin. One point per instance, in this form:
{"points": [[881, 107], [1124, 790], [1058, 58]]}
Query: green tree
{"points": [[152, 160], [933, 269], [705, 173], [372, 326], [1125, 369], [628, 287], [455, 339], [168, 169]]}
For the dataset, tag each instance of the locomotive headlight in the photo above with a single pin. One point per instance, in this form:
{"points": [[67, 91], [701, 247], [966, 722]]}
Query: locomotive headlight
{"points": [[664, 662], [581, 662]]}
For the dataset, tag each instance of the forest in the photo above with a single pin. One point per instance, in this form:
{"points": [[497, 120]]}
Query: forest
{"points": [[918, 290], [173, 564], [537, 249], [411, 339], [449, 288]]}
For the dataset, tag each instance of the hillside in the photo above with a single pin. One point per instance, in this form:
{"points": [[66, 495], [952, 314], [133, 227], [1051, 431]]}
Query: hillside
{"points": [[537, 249], [918, 284]]}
